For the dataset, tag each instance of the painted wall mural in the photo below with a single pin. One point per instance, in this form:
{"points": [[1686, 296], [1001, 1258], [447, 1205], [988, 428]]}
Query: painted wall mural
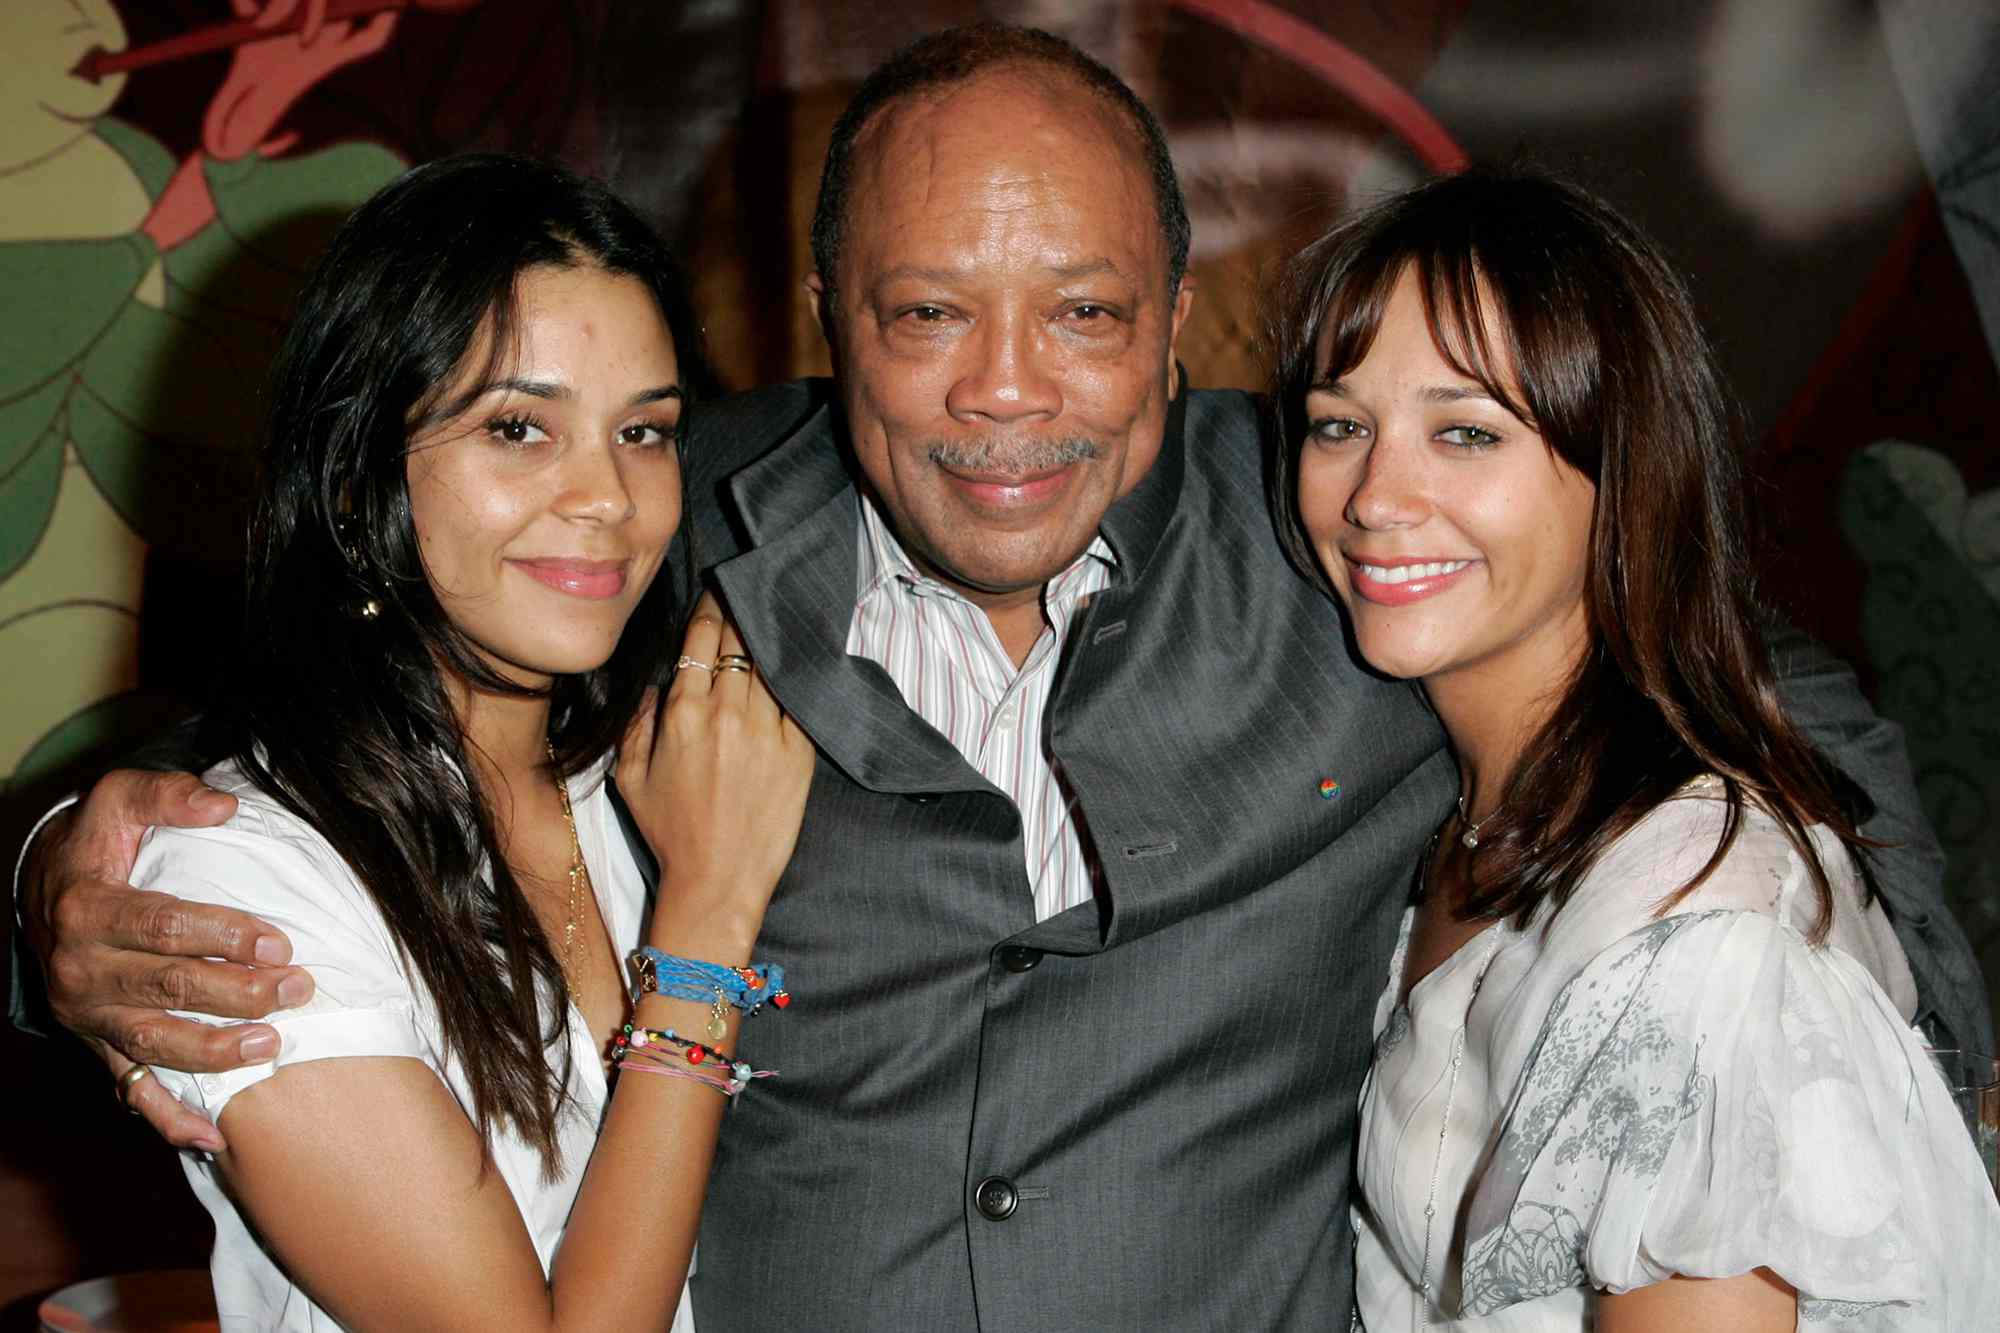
{"points": [[144, 291]]}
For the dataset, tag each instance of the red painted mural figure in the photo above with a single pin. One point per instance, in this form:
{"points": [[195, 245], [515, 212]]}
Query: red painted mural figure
{"points": [[142, 295]]}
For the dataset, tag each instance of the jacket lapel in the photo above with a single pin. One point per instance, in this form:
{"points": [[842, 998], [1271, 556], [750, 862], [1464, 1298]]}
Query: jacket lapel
{"points": [[792, 596]]}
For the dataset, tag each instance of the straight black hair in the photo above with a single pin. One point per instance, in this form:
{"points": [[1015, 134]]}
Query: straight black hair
{"points": [[346, 720], [1611, 367]]}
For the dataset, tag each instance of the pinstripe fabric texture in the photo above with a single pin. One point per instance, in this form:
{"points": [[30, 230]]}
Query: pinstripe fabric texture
{"points": [[942, 653], [1166, 1072]]}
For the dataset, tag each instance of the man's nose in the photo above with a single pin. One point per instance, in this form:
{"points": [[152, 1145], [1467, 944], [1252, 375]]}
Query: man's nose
{"points": [[1007, 375]]}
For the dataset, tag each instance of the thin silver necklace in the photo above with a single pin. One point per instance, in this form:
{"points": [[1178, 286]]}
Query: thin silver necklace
{"points": [[1471, 835]]}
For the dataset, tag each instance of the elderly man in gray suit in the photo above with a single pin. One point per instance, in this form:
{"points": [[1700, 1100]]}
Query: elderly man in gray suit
{"points": [[1109, 836]]}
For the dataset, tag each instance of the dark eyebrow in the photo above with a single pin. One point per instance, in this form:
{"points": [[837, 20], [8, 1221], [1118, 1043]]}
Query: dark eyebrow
{"points": [[551, 391], [532, 388], [1084, 269], [1433, 393]]}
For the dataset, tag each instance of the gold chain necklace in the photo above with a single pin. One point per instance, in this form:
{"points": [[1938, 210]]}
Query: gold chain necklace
{"points": [[579, 875]]}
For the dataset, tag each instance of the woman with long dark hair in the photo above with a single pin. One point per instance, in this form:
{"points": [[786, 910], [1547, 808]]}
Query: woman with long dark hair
{"points": [[462, 592], [1644, 1060]]}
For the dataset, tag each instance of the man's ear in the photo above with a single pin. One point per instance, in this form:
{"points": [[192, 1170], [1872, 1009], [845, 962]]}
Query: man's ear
{"points": [[1183, 302], [820, 297]]}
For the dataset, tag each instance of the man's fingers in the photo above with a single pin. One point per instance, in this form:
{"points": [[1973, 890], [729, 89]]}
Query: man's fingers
{"points": [[155, 1038], [225, 990], [103, 837], [118, 916], [180, 800], [170, 1119]]}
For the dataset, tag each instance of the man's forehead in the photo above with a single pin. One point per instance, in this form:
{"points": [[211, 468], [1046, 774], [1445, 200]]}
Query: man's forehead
{"points": [[994, 177], [1008, 127]]}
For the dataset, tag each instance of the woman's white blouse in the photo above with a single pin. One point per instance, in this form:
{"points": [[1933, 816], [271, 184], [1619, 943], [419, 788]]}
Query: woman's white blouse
{"points": [[1701, 1094], [268, 862]]}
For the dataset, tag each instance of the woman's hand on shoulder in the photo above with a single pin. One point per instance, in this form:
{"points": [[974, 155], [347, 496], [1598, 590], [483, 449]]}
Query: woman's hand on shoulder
{"points": [[715, 776]]}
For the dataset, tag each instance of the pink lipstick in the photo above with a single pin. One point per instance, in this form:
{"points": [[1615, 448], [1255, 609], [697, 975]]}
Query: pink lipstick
{"points": [[579, 578], [1400, 582]]}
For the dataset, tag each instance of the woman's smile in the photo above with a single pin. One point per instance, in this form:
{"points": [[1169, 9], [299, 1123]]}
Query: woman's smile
{"points": [[1395, 581], [594, 579]]}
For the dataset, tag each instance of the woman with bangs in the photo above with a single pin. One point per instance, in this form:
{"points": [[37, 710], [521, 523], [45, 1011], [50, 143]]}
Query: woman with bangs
{"points": [[460, 600], [1645, 1058]]}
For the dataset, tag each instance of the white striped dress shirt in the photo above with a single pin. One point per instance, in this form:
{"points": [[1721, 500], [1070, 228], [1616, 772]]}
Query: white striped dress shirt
{"points": [[945, 657]]}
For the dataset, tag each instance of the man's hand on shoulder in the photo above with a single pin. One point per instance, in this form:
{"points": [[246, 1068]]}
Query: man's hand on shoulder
{"points": [[116, 958]]}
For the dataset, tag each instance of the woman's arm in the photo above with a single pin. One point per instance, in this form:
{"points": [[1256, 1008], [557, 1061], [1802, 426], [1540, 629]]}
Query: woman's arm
{"points": [[1759, 1302], [364, 1175]]}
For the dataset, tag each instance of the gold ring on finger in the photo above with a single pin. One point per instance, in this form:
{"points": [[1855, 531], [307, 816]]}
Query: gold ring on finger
{"points": [[733, 662], [129, 1080], [686, 661]]}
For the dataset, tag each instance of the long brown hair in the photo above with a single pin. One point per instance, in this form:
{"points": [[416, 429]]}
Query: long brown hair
{"points": [[1612, 369]]}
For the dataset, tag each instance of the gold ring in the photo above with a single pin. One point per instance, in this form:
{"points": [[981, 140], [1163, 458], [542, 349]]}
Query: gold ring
{"points": [[130, 1080], [733, 662], [687, 661]]}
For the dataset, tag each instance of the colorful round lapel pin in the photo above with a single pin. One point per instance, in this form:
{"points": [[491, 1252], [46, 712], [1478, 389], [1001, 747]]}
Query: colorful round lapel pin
{"points": [[1328, 789]]}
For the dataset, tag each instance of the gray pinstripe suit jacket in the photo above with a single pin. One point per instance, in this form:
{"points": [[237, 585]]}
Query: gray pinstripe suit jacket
{"points": [[1170, 1088]]}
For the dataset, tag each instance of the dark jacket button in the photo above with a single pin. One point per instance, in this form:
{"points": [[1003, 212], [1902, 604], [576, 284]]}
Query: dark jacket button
{"points": [[1019, 957], [996, 1198]]}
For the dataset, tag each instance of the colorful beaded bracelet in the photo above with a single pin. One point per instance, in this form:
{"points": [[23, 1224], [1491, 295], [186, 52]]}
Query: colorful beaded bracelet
{"points": [[728, 1087], [646, 1050], [636, 1039]]}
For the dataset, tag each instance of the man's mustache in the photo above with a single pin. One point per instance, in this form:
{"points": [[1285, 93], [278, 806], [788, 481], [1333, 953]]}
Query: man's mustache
{"points": [[1013, 457]]}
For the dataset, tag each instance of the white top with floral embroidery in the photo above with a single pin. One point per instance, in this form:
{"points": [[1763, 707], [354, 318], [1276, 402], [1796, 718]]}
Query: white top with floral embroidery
{"points": [[1703, 1094]]}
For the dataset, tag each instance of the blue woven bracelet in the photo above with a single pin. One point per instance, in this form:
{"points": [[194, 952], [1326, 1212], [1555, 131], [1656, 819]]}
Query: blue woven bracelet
{"points": [[656, 972]]}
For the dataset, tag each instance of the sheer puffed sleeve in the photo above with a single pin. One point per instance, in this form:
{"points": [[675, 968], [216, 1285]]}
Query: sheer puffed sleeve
{"points": [[1711, 1094]]}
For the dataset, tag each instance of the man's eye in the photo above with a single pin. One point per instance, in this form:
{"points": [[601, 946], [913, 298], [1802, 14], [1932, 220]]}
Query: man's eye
{"points": [[925, 314], [1088, 312]]}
